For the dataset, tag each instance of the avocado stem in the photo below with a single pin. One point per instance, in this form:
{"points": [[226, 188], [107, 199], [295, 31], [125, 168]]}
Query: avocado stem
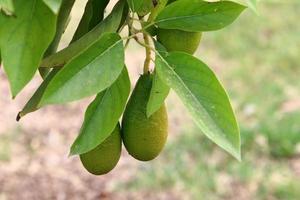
{"points": [[148, 53], [141, 43], [147, 48]]}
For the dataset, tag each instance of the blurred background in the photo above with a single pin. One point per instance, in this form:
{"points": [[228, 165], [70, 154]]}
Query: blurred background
{"points": [[257, 60]]}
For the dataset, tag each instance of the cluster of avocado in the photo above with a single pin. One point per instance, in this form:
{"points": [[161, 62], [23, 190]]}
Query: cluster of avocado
{"points": [[143, 137]]}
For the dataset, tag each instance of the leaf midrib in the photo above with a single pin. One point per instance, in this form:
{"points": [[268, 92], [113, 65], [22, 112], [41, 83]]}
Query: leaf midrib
{"points": [[99, 105], [193, 96], [189, 16], [92, 61]]}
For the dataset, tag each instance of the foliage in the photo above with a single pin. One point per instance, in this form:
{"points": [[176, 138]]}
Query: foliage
{"points": [[93, 63], [265, 127]]}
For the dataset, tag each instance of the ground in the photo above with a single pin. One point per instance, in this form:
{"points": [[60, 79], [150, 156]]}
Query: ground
{"points": [[257, 60]]}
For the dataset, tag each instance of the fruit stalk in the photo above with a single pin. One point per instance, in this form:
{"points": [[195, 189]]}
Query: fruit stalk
{"points": [[147, 48], [148, 53]]}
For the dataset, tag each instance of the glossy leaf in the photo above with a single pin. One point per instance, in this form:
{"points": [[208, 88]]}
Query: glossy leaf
{"points": [[7, 7], [54, 5], [32, 104], [93, 14], [110, 24], [251, 3], [102, 115], [24, 39], [142, 7], [98, 12], [159, 90], [90, 72], [203, 95], [161, 4], [62, 22], [198, 15], [158, 94]]}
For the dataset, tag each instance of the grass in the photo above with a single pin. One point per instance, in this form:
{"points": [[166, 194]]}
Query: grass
{"points": [[259, 60]]}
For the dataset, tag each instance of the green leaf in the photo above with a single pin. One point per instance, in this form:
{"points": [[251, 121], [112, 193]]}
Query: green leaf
{"points": [[102, 115], [159, 90], [110, 24], [24, 39], [158, 94], [198, 15], [7, 7], [98, 12], [251, 3], [54, 5], [203, 95], [32, 104], [90, 72], [93, 14], [142, 7], [161, 4], [63, 17]]}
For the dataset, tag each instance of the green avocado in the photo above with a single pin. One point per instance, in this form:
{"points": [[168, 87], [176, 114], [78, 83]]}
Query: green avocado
{"points": [[105, 156], [144, 138], [177, 40]]}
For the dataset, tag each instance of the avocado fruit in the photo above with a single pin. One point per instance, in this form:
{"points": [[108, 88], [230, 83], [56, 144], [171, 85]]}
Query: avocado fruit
{"points": [[105, 156], [178, 40], [143, 137]]}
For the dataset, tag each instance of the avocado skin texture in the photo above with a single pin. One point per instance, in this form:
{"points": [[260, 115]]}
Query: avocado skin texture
{"points": [[177, 40], [144, 138], [105, 156]]}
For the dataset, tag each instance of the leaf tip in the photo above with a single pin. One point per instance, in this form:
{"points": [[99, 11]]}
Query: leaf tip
{"points": [[235, 152], [15, 91], [71, 154], [73, 151], [149, 112], [238, 156], [19, 115]]}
